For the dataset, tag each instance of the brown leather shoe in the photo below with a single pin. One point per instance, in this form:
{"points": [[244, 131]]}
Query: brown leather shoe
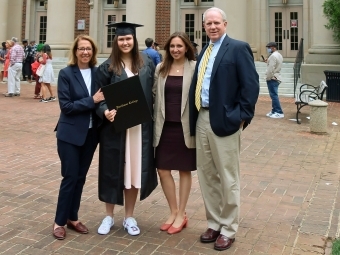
{"points": [[222, 243], [209, 236], [80, 227], [59, 233]]}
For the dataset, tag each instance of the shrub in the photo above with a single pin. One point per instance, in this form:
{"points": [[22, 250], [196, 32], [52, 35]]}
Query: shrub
{"points": [[331, 9]]}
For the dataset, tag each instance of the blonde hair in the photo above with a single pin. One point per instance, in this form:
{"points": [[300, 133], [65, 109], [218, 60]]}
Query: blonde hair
{"points": [[73, 56], [10, 43]]}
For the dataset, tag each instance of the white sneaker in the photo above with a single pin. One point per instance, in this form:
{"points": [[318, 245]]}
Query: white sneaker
{"points": [[106, 225], [130, 224], [269, 114], [277, 115]]}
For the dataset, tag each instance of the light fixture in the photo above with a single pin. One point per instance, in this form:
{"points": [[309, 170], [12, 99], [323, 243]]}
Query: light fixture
{"points": [[45, 4], [115, 3], [285, 1], [91, 4], [196, 2]]}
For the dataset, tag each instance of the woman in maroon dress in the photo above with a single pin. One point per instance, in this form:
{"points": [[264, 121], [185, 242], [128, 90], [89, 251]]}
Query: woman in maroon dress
{"points": [[175, 148]]}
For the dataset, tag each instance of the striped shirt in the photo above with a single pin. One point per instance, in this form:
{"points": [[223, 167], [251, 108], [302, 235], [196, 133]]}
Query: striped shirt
{"points": [[17, 54]]}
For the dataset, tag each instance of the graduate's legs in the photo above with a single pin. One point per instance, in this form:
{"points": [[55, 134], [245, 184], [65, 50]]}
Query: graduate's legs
{"points": [[130, 201]]}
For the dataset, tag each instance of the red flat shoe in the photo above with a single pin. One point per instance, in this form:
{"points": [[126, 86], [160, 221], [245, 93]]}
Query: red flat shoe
{"points": [[173, 230], [165, 226]]}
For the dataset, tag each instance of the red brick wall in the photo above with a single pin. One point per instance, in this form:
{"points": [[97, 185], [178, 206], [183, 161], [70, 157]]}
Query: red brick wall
{"points": [[82, 12], [23, 22], [162, 26]]}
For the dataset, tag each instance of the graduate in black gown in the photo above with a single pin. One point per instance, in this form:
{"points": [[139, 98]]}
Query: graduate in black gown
{"points": [[126, 159]]}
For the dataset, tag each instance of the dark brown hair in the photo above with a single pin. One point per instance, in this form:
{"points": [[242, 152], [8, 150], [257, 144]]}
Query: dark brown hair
{"points": [[116, 57], [168, 60], [73, 56]]}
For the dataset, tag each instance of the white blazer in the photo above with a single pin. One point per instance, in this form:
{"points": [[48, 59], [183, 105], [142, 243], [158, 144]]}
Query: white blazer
{"points": [[159, 107]]}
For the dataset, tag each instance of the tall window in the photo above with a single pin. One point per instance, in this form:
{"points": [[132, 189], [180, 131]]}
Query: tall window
{"points": [[278, 30], [294, 35], [111, 31], [111, 1], [42, 29]]}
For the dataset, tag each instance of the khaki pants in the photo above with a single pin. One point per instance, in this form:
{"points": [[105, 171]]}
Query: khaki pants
{"points": [[219, 175], [14, 73]]}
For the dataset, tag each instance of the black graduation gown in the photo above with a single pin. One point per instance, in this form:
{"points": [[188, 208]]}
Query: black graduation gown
{"points": [[112, 144]]}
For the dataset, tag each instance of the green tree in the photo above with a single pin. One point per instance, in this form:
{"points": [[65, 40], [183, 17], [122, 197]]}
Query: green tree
{"points": [[331, 9]]}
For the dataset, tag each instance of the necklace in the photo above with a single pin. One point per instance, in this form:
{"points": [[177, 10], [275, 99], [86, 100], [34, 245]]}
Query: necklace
{"points": [[179, 68]]}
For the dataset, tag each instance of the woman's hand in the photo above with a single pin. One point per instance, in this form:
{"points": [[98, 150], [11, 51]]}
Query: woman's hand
{"points": [[98, 97], [110, 115]]}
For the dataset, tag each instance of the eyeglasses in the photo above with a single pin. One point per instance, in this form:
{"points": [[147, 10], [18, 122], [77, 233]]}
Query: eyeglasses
{"points": [[84, 49]]}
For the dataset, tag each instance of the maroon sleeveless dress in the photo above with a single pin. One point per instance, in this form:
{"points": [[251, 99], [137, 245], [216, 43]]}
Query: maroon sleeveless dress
{"points": [[171, 152]]}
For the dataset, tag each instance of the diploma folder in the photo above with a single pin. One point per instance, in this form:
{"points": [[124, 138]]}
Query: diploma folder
{"points": [[127, 97]]}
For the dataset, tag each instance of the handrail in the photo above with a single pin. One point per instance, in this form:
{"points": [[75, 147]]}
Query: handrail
{"points": [[297, 64]]}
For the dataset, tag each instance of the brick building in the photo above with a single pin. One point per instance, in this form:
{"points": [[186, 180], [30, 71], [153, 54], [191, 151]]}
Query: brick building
{"points": [[57, 22]]}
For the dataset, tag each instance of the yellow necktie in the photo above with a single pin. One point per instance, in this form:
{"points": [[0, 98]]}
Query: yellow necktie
{"points": [[201, 73]]}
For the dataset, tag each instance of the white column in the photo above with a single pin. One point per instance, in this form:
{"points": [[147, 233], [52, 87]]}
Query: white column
{"points": [[60, 26], [136, 13], [29, 22], [3, 21], [323, 49], [94, 19], [14, 18], [237, 22]]}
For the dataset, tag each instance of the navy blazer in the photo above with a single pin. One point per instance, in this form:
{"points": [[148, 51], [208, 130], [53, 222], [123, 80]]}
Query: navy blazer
{"points": [[234, 88], [76, 106]]}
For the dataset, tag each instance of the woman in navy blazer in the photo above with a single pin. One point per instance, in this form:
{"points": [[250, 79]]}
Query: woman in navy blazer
{"points": [[76, 131]]}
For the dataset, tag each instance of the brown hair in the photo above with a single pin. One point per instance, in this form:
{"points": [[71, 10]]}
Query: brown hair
{"points": [[47, 50], [73, 57], [168, 60], [116, 57]]}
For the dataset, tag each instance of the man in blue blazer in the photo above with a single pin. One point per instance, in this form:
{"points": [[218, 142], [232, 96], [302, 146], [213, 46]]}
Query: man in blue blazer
{"points": [[222, 99]]}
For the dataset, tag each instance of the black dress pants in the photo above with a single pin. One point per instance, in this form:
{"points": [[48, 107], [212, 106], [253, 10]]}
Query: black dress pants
{"points": [[75, 163]]}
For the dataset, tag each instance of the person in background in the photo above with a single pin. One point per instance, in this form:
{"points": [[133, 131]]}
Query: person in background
{"points": [[26, 69], [195, 49], [3, 52], [151, 52], [16, 58], [126, 158], [273, 78], [34, 47], [77, 136], [222, 100], [175, 148], [156, 47], [48, 75], [9, 44], [38, 54]]}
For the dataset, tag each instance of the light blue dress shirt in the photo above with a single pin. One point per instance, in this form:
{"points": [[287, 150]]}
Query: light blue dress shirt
{"points": [[208, 71]]}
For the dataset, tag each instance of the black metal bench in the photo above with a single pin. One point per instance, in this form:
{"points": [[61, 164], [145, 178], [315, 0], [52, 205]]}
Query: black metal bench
{"points": [[308, 93]]}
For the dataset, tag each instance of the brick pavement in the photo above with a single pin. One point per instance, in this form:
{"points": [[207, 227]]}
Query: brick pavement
{"points": [[290, 183]]}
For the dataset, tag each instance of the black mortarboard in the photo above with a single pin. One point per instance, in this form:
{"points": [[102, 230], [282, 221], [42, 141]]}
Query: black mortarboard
{"points": [[156, 44], [25, 41], [194, 44], [124, 28]]}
